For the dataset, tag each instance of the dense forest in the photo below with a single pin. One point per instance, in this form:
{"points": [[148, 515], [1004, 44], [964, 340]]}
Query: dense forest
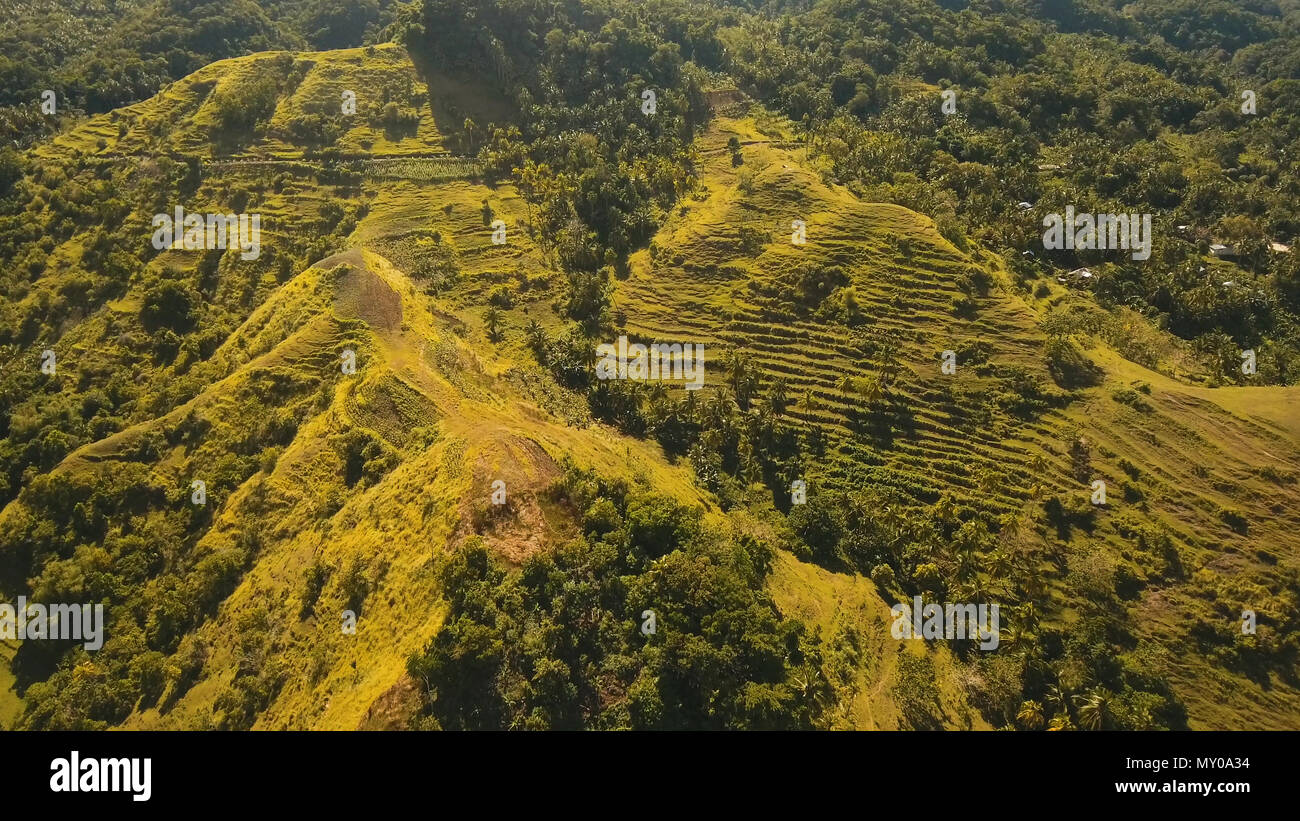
{"points": [[1075, 104]]}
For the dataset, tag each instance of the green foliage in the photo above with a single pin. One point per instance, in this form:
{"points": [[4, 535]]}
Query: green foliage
{"points": [[1070, 367], [169, 304], [558, 644], [1032, 100], [752, 241], [594, 190], [915, 692], [365, 457], [103, 56], [1132, 398], [244, 110]]}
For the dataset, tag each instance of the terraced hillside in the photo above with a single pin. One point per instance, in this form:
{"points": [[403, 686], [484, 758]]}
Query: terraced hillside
{"points": [[1213, 470], [325, 491], [328, 490], [283, 105], [905, 280]]}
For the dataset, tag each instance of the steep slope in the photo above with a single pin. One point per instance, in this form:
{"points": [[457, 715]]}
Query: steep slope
{"points": [[452, 443]]}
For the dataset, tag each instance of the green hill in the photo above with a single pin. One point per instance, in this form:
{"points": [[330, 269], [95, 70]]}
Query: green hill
{"points": [[1206, 473], [370, 491]]}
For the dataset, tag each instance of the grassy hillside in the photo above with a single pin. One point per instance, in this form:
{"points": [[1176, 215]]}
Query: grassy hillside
{"points": [[330, 491], [1211, 469], [284, 105]]}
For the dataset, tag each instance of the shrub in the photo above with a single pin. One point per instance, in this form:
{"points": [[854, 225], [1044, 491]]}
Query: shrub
{"points": [[315, 578], [502, 297], [752, 240], [169, 304], [1234, 519], [1130, 397], [1069, 367], [883, 576], [928, 577], [965, 307]]}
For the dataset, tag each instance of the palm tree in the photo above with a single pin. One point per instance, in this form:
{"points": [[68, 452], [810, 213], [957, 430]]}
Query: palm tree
{"points": [[718, 412], [711, 440], [967, 564], [1057, 699], [1028, 617], [892, 518], [872, 390], [536, 182], [889, 354], [1061, 722], [999, 563], [492, 317], [536, 337], [1031, 715], [470, 128], [779, 396], [1095, 709], [989, 480], [944, 511], [741, 376], [1010, 636], [1033, 583], [979, 589], [690, 406], [1009, 526]]}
